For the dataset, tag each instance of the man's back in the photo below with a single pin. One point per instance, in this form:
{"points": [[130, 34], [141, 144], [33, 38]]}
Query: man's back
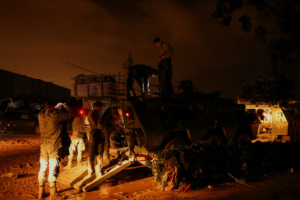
{"points": [[51, 127], [94, 119], [143, 69], [111, 115], [78, 127]]}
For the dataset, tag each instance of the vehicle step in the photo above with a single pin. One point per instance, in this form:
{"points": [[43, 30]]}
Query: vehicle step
{"points": [[261, 140], [264, 136]]}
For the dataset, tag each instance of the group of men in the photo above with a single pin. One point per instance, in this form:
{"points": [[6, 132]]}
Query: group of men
{"points": [[262, 88], [141, 73], [51, 121], [276, 89]]}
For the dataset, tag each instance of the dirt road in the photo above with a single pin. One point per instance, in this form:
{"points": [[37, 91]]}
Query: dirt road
{"points": [[19, 156]]}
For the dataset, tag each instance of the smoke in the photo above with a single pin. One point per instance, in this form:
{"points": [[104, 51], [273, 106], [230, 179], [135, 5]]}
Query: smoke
{"points": [[36, 36]]}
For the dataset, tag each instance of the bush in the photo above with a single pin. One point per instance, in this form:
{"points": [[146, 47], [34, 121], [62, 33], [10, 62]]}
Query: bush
{"points": [[204, 163]]}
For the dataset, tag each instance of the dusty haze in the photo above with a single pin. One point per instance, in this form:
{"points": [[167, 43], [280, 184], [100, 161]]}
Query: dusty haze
{"points": [[36, 36]]}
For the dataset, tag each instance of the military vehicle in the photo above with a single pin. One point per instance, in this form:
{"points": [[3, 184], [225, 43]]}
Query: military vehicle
{"points": [[283, 124], [155, 122]]}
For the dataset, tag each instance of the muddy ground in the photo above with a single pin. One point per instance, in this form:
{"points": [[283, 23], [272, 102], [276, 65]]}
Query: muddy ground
{"points": [[19, 156]]}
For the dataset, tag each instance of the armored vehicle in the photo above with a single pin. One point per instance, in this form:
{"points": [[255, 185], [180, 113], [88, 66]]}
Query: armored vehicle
{"points": [[273, 121], [154, 122]]}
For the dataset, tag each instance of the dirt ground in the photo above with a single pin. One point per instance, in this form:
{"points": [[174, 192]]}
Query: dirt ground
{"points": [[19, 156]]}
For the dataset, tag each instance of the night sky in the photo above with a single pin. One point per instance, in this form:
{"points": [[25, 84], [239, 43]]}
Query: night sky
{"points": [[36, 36]]}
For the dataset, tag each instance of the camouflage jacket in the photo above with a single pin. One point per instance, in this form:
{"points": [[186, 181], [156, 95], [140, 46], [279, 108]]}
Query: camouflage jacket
{"points": [[51, 124], [111, 115], [166, 50], [78, 127], [95, 120]]}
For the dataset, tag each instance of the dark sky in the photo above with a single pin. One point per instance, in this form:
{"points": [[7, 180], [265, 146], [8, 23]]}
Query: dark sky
{"points": [[36, 36]]}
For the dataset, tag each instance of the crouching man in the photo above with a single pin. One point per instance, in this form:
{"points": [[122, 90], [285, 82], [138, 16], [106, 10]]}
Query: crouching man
{"points": [[77, 141], [50, 122], [112, 130]]}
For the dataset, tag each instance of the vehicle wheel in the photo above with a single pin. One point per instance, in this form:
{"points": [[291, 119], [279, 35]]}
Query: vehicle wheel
{"points": [[243, 138], [37, 130], [216, 139], [177, 142]]}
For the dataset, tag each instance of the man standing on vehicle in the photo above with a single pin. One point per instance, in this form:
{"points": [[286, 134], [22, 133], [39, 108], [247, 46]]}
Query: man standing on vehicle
{"points": [[77, 141], [50, 122], [96, 139], [165, 71], [140, 74], [247, 92]]}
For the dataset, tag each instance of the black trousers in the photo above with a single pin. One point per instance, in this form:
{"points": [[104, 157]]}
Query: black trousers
{"points": [[165, 74], [142, 80]]}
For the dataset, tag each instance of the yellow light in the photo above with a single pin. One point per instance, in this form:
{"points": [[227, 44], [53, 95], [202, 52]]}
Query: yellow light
{"points": [[87, 121]]}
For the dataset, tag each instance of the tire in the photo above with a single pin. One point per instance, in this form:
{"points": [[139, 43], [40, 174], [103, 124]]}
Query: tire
{"points": [[176, 142], [216, 139], [37, 130], [243, 138]]}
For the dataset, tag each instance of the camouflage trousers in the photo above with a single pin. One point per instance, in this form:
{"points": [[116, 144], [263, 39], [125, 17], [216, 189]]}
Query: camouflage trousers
{"points": [[95, 151], [165, 75], [51, 157], [79, 145]]}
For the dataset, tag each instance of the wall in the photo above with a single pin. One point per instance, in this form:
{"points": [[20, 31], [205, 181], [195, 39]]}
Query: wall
{"points": [[26, 88]]}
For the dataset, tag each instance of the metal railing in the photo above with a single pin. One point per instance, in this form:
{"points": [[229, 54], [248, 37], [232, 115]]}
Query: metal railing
{"points": [[99, 86]]}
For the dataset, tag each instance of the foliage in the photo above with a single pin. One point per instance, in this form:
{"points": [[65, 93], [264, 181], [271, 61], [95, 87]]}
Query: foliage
{"points": [[204, 163], [284, 47]]}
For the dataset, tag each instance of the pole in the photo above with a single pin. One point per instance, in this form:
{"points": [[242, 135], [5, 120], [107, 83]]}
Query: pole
{"points": [[82, 68]]}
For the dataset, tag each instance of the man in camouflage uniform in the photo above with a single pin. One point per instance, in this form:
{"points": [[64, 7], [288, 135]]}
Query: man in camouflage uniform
{"points": [[260, 86], [77, 141], [140, 74], [270, 89], [96, 140], [165, 72], [111, 118], [50, 122], [112, 129], [247, 92]]}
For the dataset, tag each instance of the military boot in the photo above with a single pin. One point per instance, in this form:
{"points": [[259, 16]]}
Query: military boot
{"points": [[106, 160], [79, 163], [41, 192], [79, 160], [54, 195], [69, 166]]}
